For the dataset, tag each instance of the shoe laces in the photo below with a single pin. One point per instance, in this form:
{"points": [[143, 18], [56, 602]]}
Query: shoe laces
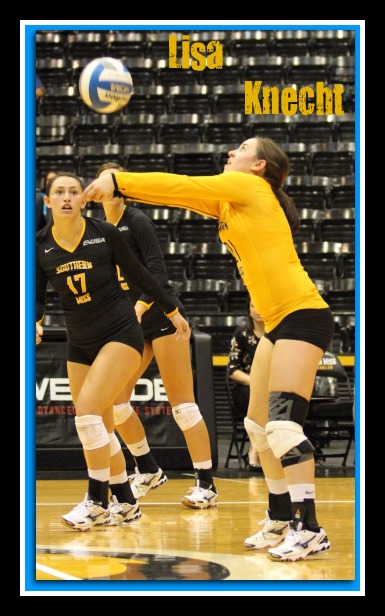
{"points": [[140, 478], [198, 491], [84, 506], [115, 506], [268, 524], [292, 537]]}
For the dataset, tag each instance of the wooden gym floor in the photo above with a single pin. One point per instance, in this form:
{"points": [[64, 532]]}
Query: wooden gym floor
{"points": [[171, 542]]}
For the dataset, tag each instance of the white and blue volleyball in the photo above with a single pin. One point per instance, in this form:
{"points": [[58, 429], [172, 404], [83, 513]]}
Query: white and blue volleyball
{"points": [[105, 85]]}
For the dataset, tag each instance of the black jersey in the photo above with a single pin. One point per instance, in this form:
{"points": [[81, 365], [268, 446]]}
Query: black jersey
{"points": [[139, 232], [85, 279]]}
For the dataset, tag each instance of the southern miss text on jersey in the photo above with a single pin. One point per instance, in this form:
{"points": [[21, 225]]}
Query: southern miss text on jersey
{"points": [[93, 301]]}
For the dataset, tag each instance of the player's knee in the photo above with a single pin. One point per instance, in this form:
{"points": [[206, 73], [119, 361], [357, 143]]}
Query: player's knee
{"points": [[288, 442], [115, 446], [186, 415], [257, 435], [91, 431], [296, 455], [122, 412], [287, 406]]}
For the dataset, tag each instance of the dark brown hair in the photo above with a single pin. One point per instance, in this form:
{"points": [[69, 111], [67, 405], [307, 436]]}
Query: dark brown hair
{"points": [[63, 174], [111, 165], [276, 172]]}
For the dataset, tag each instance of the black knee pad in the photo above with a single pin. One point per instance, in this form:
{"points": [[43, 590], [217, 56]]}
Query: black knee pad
{"points": [[300, 453], [287, 406]]}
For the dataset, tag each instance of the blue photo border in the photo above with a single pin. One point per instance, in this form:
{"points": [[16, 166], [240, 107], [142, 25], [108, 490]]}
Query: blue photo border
{"points": [[31, 584]]}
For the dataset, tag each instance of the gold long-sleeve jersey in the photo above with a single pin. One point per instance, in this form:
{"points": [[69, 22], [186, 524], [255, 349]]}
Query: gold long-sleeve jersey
{"points": [[251, 223]]}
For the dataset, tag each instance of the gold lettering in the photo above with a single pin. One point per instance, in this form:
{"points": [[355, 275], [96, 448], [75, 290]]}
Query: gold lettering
{"points": [[338, 92], [252, 104], [82, 299], [304, 106], [185, 51], [289, 101], [215, 60], [273, 106], [194, 56], [328, 100], [172, 52]]}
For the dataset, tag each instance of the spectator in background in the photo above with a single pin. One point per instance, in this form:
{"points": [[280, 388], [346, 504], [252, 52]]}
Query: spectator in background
{"points": [[43, 215], [242, 348], [41, 219], [39, 87]]}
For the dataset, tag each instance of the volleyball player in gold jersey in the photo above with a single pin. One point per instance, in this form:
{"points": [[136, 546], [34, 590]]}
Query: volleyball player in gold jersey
{"points": [[256, 220]]}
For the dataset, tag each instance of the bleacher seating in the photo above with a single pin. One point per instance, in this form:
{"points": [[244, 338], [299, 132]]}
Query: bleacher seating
{"points": [[179, 128], [144, 136], [308, 191], [136, 129], [193, 158], [92, 156], [127, 44], [332, 159], [189, 99], [50, 44], [291, 42], [60, 101], [338, 225], [96, 129], [307, 70], [146, 99], [333, 42], [53, 130], [146, 157], [212, 260], [192, 227]]}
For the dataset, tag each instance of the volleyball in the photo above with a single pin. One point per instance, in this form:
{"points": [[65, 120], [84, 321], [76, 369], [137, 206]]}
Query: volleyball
{"points": [[105, 85]]}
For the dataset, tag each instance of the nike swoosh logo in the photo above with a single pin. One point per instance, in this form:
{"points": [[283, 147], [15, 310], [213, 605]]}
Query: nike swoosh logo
{"points": [[48, 249], [163, 329], [306, 492]]}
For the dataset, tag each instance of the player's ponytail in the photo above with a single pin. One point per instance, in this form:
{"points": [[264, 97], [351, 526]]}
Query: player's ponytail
{"points": [[276, 172]]}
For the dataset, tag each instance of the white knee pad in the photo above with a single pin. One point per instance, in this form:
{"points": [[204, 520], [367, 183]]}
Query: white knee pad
{"points": [[114, 444], [257, 435], [122, 412], [283, 436], [186, 415], [91, 431]]}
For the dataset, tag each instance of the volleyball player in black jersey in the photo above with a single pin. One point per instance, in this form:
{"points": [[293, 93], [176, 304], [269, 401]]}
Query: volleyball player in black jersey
{"points": [[79, 257], [140, 234]]}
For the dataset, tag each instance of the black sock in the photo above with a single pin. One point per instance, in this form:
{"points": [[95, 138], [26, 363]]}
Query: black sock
{"points": [[98, 492], [146, 463], [280, 507], [304, 513], [310, 516], [123, 492], [204, 478]]}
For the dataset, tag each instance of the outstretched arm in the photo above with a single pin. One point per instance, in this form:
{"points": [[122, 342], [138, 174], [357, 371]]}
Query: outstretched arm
{"points": [[202, 194]]}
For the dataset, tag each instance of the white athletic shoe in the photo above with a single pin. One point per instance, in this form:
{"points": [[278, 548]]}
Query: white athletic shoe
{"points": [[123, 513], [86, 515], [272, 533], [299, 544], [200, 498], [141, 483]]}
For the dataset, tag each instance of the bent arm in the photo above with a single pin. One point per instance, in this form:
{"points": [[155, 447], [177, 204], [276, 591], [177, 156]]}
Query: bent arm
{"points": [[135, 273], [144, 233]]}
